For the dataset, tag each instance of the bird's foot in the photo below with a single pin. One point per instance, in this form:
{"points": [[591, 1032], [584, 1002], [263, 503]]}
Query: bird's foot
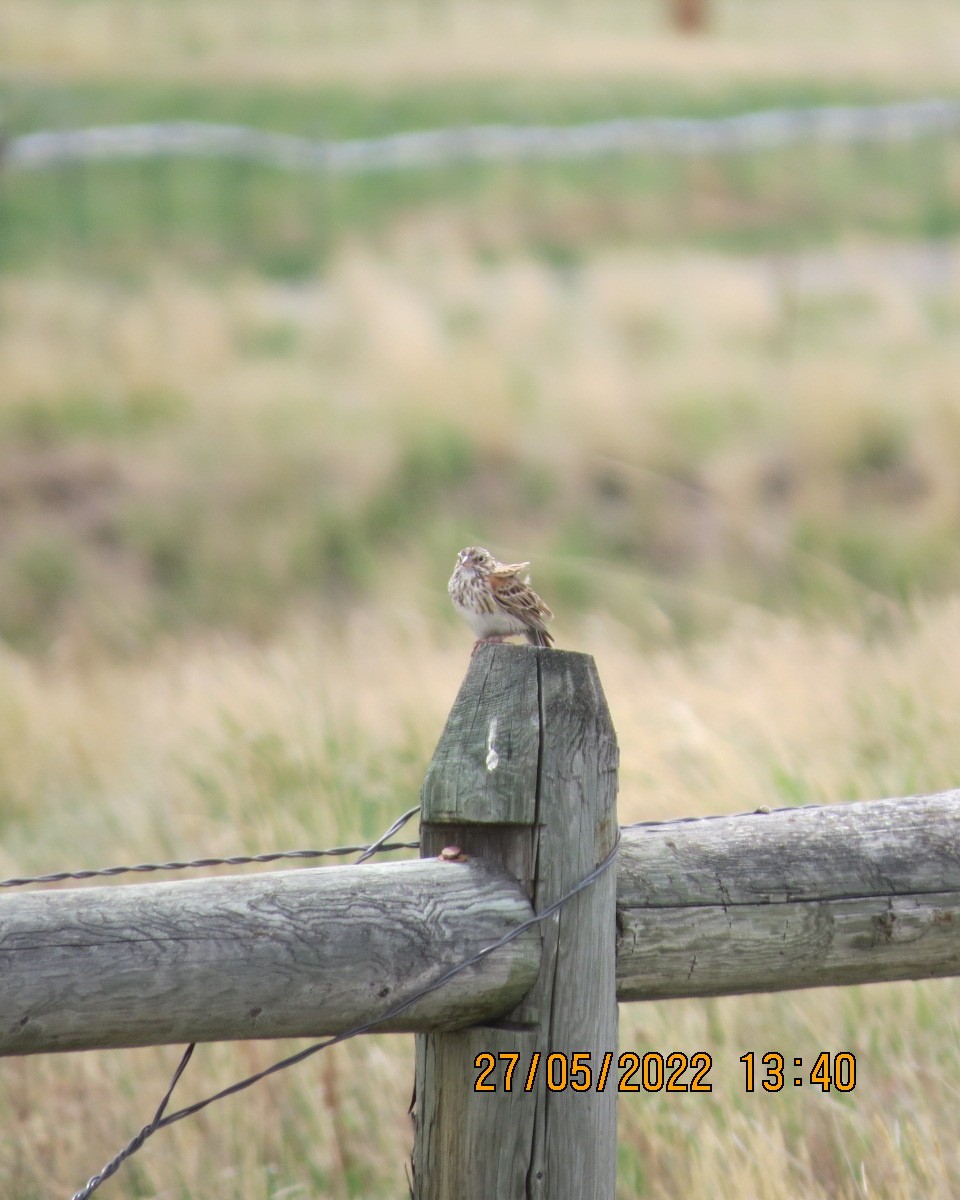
{"points": [[488, 641]]}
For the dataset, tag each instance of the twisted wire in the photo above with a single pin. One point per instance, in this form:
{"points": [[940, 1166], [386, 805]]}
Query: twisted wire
{"points": [[162, 1119], [380, 846]]}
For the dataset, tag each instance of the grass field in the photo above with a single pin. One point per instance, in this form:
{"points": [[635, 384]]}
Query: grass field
{"points": [[247, 420], [219, 746]]}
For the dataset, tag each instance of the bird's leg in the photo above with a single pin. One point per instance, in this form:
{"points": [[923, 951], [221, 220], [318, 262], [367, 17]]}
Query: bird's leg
{"points": [[487, 641]]}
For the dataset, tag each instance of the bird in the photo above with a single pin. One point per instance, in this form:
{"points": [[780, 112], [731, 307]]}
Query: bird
{"points": [[495, 601]]}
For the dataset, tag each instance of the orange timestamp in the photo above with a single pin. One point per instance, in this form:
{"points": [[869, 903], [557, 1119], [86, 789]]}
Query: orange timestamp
{"points": [[579, 1072], [830, 1072]]}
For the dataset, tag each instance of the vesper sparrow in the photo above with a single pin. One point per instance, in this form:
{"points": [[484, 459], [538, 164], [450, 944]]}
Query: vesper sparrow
{"points": [[495, 601]]}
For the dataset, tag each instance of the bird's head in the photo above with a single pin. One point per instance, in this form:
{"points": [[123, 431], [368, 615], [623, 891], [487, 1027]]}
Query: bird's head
{"points": [[476, 559]]}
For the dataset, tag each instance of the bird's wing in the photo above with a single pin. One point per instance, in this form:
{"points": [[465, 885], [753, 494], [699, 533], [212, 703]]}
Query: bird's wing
{"points": [[517, 597]]}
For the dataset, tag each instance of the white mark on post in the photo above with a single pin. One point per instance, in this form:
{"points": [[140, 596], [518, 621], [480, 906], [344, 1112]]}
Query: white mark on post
{"points": [[493, 758]]}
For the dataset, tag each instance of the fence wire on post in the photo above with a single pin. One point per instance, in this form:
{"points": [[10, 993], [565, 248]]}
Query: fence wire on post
{"points": [[235, 860], [162, 1118], [381, 844]]}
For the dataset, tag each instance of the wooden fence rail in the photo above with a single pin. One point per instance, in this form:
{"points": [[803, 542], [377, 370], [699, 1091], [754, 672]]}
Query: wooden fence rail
{"points": [[524, 781], [797, 898], [291, 954]]}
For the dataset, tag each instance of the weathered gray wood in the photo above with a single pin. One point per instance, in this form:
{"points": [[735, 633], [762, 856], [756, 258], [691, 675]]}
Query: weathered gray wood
{"points": [[872, 847], [296, 953], [484, 769], [805, 897], [536, 1144], [666, 953]]}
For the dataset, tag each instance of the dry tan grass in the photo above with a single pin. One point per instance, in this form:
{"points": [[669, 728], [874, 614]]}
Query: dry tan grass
{"points": [[910, 47], [699, 408], [605, 361], [616, 360], [324, 734]]}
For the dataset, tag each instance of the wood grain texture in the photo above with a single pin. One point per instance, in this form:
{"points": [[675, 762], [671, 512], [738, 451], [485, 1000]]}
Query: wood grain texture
{"points": [[805, 897], [289, 954], [484, 769], [513, 1145], [575, 1147]]}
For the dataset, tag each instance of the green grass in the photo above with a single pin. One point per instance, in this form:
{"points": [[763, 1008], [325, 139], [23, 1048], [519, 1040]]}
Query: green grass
{"points": [[373, 110], [221, 215]]}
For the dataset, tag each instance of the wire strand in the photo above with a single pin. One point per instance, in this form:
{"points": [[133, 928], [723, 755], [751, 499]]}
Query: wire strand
{"points": [[380, 846], [161, 1121], [94, 1182]]}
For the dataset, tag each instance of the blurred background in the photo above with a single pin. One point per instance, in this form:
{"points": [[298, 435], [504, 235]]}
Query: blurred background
{"points": [[716, 365], [298, 298]]}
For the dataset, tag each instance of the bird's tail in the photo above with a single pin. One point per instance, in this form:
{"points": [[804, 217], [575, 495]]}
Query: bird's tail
{"points": [[539, 636]]}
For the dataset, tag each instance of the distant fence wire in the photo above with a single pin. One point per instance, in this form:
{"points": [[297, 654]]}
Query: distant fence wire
{"points": [[680, 136]]}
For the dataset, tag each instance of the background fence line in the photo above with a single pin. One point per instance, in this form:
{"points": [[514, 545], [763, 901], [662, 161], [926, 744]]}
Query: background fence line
{"points": [[679, 136]]}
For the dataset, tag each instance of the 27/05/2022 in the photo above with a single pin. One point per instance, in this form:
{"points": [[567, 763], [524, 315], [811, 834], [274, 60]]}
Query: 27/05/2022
{"points": [[653, 1071]]}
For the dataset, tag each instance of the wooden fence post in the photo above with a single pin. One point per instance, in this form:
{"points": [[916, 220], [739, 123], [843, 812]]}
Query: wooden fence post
{"points": [[525, 775]]}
